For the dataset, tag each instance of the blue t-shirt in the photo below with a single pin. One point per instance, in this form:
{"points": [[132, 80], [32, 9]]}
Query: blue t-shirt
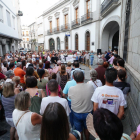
{"points": [[91, 55], [68, 85]]}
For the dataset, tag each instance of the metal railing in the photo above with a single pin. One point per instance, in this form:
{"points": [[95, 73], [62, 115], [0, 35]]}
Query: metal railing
{"points": [[65, 27], [75, 23], [106, 4], [57, 30], [50, 32], [87, 17]]}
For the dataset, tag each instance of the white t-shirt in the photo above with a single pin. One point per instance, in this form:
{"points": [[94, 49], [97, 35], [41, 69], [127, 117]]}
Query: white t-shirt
{"points": [[27, 65], [108, 97], [49, 59], [87, 56], [50, 99], [95, 84]]}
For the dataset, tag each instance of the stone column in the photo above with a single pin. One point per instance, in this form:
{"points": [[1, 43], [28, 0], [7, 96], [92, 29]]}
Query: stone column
{"points": [[1, 53]]}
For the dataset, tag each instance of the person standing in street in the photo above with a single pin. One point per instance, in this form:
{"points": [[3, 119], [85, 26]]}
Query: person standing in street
{"points": [[91, 58], [87, 59]]}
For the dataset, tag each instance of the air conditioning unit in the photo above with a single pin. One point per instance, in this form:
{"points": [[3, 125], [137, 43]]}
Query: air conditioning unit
{"points": [[20, 13]]}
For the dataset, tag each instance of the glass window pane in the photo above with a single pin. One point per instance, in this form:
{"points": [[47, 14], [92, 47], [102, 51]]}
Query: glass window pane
{"points": [[8, 19]]}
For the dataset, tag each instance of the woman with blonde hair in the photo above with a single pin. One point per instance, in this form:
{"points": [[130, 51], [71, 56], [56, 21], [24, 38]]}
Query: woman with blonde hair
{"points": [[64, 77], [94, 81], [8, 99]]}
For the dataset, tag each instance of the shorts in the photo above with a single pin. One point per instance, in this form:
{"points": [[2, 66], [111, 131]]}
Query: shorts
{"points": [[10, 122], [79, 120]]}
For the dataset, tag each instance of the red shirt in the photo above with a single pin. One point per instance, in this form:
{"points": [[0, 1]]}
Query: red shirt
{"points": [[1, 76]]}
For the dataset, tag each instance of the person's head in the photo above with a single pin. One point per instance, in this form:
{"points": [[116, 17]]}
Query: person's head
{"points": [[45, 60], [5, 64], [105, 65], [53, 86], [63, 69], [115, 62], [41, 73], [107, 125], [19, 64], [76, 64], [69, 64], [121, 62], [100, 62], [53, 76], [31, 82], [22, 101], [23, 63], [47, 65], [59, 63], [110, 75], [11, 66], [40, 65], [8, 89], [10, 74], [55, 123], [116, 55], [122, 75], [16, 80], [29, 60], [29, 71], [93, 75], [78, 76], [112, 54]]}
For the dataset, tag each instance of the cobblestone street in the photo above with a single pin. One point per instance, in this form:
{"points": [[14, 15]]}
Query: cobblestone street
{"points": [[127, 127]]}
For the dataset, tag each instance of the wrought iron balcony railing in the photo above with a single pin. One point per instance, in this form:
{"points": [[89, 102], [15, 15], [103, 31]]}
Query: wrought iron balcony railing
{"points": [[65, 27], [57, 30], [87, 17], [75, 23], [50, 32], [106, 4]]}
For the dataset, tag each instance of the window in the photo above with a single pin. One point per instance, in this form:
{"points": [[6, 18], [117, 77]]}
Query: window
{"points": [[27, 39], [87, 41], [50, 26], [57, 21], [13, 21], [8, 19], [66, 43], [27, 33], [66, 21], [76, 14], [1, 14], [76, 42]]}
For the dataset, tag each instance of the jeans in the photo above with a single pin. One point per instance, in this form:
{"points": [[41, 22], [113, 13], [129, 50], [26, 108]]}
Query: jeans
{"points": [[91, 60], [71, 115]]}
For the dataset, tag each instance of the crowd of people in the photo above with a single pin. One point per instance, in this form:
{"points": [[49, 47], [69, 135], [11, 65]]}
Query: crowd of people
{"points": [[43, 98]]}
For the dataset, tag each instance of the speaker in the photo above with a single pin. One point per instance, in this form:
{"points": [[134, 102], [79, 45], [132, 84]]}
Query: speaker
{"points": [[99, 51]]}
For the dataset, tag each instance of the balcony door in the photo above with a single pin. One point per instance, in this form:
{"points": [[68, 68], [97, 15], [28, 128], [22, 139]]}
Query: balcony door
{"points": [[57, 21], [66, 21], [88, 9], [76, 42], [76, 13], [87, 41], [66, 43], [50, 26]]}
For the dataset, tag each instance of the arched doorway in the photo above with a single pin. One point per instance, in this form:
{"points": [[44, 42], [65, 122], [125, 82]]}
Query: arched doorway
{"points": [[87, 48], [110, 37], [76, 42], [58, 43], [66, 43], [52, 44]]}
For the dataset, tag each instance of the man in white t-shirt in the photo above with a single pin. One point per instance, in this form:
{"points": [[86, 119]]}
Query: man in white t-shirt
{"points": [[53, 87], [108, 96]]}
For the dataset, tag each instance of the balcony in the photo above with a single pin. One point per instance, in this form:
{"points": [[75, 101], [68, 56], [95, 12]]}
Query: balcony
{"points": [[87, 18], [75, 23], [50, 32], [57, 30], [107, 6], [65, 27]]}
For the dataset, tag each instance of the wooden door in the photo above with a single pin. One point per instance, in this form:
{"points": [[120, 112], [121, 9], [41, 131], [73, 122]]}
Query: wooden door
{"points": [[52, 45], [88, 8], [51, 26], [88, 41], [76, 43], [57, 20], [76, 15], [66, 21], [66, 43]]}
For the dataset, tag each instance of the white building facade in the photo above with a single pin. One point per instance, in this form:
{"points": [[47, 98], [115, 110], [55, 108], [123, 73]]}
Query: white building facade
{"points": [[25, 37], [10, 31]]}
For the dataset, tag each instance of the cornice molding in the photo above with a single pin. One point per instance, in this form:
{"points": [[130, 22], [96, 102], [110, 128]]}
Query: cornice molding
{"points": [[50, 18], [76, 2], [57, 14], [65, 10], [55, 7]]}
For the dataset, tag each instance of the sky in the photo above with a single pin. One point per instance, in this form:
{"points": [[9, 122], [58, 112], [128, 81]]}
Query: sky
{"points": [[33, 8]]}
